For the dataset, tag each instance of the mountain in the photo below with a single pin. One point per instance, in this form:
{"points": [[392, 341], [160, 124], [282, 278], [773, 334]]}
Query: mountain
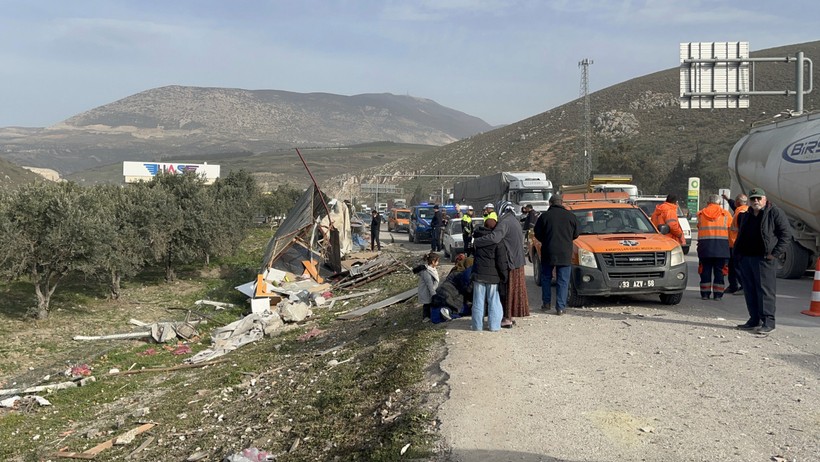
{"points": [[637, 127], [176, 121]]}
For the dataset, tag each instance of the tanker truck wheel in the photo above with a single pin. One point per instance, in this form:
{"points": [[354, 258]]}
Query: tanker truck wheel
{"points": [[794, 263]]}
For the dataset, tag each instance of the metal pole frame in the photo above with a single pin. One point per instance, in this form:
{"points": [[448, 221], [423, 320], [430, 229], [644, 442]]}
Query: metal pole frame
{"points": [[799, 59]]}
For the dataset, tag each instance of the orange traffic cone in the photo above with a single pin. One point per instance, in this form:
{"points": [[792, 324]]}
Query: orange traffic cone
{"points": [[814, 307]]}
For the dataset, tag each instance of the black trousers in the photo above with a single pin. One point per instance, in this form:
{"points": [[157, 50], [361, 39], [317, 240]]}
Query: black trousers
{"points": [[435, 239], [734, 276], [374, 240], [711, 276], [758, 276]]}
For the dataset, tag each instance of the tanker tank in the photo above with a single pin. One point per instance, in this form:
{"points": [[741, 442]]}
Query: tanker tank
{"points": [[783, 158]]}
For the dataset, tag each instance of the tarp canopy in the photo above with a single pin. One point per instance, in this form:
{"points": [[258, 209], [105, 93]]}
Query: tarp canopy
{"points": [[305, 235]]}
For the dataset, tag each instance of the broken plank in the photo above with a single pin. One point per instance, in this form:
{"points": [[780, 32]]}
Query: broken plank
{"points": [[129, 335], [356, 295], [168, 369], [92, 453], [384, 303]]}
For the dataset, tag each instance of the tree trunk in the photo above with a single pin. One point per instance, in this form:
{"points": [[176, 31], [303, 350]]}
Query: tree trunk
{"points": [[169, 269], [115, 285], [43, 299]]}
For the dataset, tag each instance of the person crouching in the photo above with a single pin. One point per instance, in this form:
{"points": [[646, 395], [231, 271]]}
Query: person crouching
{"points": [[489, 270]]}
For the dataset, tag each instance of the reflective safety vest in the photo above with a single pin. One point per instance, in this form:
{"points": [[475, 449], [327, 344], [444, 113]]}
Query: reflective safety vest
{"points": [[734, 229], [466, 224], [713, 232], [491, 215]]}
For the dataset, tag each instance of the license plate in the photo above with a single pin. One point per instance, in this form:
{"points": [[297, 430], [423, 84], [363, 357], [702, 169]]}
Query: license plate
{"points": [[636, 284]]}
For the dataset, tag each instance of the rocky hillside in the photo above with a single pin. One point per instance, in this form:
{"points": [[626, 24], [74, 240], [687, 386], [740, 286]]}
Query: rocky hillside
{"points": [[178, 121], [637, 128]]}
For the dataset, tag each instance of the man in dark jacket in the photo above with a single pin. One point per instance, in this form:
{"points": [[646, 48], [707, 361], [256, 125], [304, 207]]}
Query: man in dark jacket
{"points": [[556, 229], [436, 227], [762, 237], [489, 270], [375, 226]]}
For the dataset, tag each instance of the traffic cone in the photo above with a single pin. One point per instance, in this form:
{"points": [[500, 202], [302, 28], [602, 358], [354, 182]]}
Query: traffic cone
{"points": [[814, 307]]}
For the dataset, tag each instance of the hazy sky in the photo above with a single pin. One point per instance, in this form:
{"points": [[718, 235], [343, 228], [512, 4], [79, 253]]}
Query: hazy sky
{"points": [[502, 61]]}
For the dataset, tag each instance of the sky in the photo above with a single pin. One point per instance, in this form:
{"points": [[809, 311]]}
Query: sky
{"points": [[501, 61]]}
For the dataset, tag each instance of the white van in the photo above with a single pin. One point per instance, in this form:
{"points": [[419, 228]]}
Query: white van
{"points": [[648, 204]]}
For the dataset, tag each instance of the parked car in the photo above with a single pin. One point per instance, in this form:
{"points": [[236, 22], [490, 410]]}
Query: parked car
{"points": [[453, 240], [419, 229], [399, 220]]}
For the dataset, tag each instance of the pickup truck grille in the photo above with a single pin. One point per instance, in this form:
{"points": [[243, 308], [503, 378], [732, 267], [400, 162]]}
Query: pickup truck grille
{"points": [[637, 275], [634, 259]]}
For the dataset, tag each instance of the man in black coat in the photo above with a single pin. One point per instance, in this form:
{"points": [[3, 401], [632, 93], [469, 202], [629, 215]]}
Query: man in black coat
{"points": [[556, 229], [763, 236], [436, 227], [375, 226]]}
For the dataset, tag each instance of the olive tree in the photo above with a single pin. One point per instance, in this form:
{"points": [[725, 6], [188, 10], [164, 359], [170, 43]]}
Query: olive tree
{"points": [[138, 230], [49, 230]]}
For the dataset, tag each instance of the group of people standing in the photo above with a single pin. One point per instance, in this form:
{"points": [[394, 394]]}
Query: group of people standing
{"points": [[497, 273]]}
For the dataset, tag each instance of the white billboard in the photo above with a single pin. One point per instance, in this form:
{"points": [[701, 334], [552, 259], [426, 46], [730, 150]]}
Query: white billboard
{"points": [[143, 171]]}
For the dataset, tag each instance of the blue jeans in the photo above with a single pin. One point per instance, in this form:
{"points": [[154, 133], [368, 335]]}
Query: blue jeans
{"points": [[562, 273], [486, 292]]}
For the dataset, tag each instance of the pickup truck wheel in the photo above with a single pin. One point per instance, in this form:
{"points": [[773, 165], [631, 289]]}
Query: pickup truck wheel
{"points": [[536, 270], [793, 263], [575, 300], [409, 236], [452, 256], [671, 299], [686, 250]]}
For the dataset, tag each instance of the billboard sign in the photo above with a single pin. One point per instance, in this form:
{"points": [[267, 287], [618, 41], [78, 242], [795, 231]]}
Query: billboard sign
{"points": [[143, 171]]}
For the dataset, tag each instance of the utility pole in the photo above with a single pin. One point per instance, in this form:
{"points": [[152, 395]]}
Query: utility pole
{"points": [[584, 166]]}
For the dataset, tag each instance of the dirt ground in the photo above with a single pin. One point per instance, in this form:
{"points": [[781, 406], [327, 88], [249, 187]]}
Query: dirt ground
{"points": [[617, 383]]}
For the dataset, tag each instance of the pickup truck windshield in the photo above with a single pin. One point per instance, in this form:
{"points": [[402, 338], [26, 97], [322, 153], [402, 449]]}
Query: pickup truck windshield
{"points": [[613, 221], [403, 215]]}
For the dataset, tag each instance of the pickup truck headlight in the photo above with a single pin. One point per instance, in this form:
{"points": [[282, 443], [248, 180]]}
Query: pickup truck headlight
{"points": [[587, 258], [676, 258]]}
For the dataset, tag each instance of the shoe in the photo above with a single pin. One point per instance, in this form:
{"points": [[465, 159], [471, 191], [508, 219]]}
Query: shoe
{"points": [[560, 312], [545, 307], [731, 290], [704, 297], [748, 326], [738, 292], [445, 313], [717, 299], [764, 329]]}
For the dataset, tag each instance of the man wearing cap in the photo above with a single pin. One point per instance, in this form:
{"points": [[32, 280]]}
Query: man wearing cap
{"points": [[467, 230], [762, 237], [489, 212]]}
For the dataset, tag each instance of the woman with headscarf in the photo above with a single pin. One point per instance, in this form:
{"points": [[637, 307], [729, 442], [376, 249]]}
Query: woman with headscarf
{"points": [[514, 292]]}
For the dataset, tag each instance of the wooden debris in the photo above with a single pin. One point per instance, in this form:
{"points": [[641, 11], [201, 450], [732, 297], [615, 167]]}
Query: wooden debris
{"points": [[141, 447], [129, 335], [92, 453], [357, 295], [217, 305], [384, 303], [50, 387], [169, 369]]}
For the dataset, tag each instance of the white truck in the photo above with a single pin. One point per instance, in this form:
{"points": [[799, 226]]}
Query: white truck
{"points": [[783, 158], [520, 188]]}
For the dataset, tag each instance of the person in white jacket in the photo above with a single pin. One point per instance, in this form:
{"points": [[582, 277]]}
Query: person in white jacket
{"points": [[428, 282]]}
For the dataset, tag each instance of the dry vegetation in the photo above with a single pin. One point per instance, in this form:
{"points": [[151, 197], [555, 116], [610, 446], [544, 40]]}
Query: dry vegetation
{"points": [[360, 390]]}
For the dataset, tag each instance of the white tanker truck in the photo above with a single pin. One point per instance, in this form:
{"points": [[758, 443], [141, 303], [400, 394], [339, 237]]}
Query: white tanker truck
{"points": [[783, 158]]}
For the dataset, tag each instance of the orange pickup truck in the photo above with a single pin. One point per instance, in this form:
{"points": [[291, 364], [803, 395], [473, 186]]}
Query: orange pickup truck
{"points": [[619, 252]]}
